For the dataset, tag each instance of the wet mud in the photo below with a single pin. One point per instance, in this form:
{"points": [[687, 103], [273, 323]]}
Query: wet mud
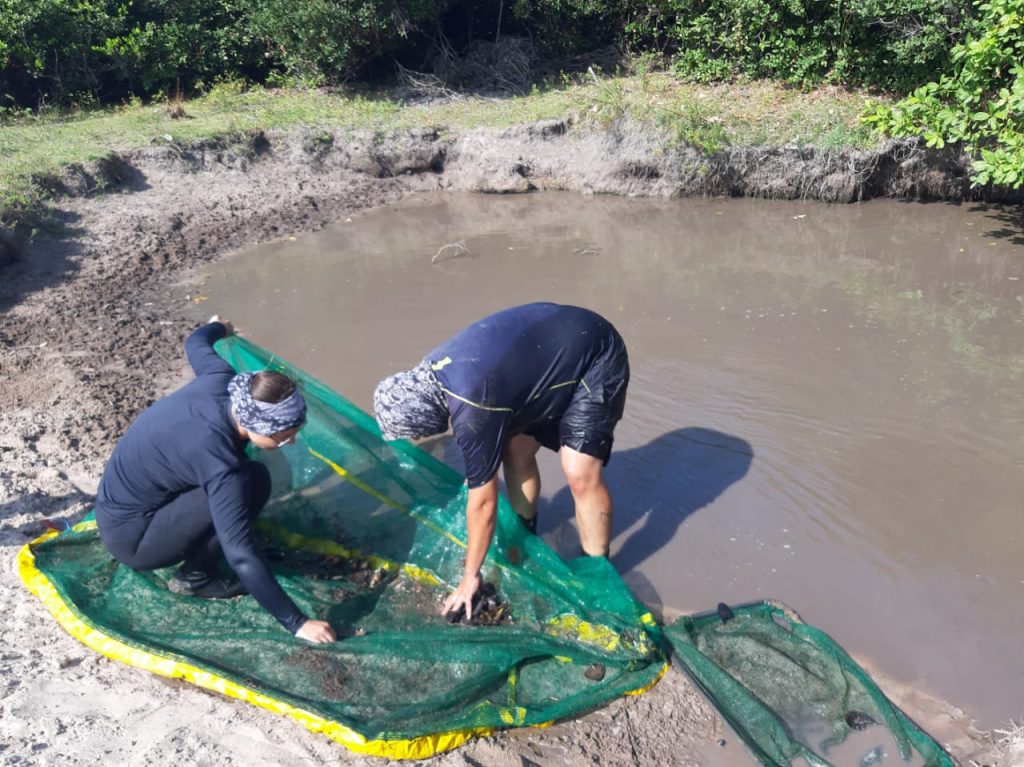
{"points": [[487, 609], [331, 676], [327, 567]]}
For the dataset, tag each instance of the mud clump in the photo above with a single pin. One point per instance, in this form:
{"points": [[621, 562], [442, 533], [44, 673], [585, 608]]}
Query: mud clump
{"points": [[328, 674], [488, 609], [328, 567]]}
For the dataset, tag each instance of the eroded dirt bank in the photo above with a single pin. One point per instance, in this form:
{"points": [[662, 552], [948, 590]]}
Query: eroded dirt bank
{"points": [[93, 316]]}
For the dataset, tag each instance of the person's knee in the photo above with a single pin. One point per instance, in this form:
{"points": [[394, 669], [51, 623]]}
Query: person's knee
{"points": [[130, 559], [130, 556], [583, 477]]}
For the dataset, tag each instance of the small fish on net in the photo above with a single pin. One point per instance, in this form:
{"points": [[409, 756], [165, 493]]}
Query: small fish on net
{"points": [[858, 720], [595, 672]]}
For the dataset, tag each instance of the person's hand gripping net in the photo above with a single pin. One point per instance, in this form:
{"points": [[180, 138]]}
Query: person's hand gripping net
{"points": [[462, 598], [317, 632]]}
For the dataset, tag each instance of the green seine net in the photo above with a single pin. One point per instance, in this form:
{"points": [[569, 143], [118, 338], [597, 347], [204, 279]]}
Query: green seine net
{"points": [[370, 536]]}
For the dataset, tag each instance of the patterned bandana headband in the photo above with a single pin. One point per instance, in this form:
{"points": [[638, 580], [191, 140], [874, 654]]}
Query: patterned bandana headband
{"points": [[410, 404], [264, 418]]}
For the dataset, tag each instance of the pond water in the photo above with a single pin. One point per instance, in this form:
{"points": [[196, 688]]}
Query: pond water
{"points": [[824, 408]]}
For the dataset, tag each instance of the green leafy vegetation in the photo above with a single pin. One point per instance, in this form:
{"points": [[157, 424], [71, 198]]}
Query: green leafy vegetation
{"points": [[77, 52], [980, 104], [889, 44]]}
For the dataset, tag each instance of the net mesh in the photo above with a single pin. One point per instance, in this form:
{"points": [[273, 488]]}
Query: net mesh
{"points": [[792, 693]]}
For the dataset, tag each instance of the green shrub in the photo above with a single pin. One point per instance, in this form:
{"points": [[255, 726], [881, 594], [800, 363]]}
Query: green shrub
{"points": [[566, 27], [980, 104], [79, 51], [328, 40], [46, 48], [890, 44], [169, 44]]}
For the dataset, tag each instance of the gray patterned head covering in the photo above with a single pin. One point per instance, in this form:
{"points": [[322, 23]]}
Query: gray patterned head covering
{"points": [[264, 418], [410, 404]]}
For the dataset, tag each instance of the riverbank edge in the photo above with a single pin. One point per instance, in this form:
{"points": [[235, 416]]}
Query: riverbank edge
{"points": [[626, 157]]}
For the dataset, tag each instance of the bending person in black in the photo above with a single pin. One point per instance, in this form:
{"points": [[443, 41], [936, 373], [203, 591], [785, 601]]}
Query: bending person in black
{"points": [[530, 376], [180, 488]]}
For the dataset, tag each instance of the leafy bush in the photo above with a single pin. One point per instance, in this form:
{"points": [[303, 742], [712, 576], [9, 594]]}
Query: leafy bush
{"points": [[330, 39], [565, 27], [980, 104], [891, 44], [81, 51], [78, 51], [168, 44], [46, 47]]}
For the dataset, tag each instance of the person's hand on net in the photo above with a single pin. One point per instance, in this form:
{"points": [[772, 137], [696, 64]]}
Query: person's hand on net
{"points": [[318, 632], [229, 329], [462, 597]]}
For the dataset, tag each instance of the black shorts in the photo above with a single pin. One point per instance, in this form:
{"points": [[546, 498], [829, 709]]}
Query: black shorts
{"points": [[588, 423]]}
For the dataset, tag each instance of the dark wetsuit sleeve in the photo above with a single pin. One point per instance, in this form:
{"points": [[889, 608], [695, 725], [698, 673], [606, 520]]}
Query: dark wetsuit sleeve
{"points": [[199, 350], [227, 495]]}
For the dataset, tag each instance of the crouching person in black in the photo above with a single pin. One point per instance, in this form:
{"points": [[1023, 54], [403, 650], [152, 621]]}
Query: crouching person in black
{"points": [[179, 487]]}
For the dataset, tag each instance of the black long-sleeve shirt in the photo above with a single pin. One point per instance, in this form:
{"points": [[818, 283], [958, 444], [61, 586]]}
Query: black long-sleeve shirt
{"points": [[187, 440]]}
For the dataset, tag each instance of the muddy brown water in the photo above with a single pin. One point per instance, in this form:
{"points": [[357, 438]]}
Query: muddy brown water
{"points": [[825, 404]]}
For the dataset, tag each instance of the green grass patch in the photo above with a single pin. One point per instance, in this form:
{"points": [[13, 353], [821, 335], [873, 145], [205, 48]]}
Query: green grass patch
{"points": [[34, 150]]}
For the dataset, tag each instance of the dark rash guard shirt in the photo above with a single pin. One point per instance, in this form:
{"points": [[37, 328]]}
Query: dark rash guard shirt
{"points": [[517, 370], [187, 440]]}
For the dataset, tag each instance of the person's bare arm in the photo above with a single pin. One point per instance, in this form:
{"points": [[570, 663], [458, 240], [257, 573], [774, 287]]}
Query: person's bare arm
{"points": [[481, 516]]}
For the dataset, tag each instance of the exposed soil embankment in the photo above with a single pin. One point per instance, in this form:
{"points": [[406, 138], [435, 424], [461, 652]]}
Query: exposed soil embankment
{"points": [[634, 159], [93, 314]]}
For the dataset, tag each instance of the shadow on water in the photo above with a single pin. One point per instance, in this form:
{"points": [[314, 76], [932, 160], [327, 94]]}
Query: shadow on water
{"points": [[657, 486], [1011, 218]]}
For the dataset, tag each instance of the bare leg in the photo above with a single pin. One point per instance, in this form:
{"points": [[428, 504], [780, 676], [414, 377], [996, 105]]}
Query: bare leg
{"points": [[593, 501], [522, 476]]}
